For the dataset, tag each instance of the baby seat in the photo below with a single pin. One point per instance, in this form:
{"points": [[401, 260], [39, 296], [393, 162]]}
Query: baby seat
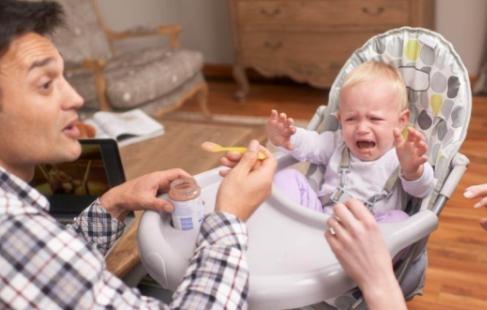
{"points": [[291, 264]]}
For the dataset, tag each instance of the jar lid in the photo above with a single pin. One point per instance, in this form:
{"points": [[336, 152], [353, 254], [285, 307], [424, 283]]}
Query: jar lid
{"points": [[184, 188]]}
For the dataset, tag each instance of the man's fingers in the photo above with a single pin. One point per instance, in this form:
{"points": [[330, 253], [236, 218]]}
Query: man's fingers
{"points": [[248, 158], [483, 223], [224, 172], [359, 211], [346, 218], [158, 204], [167, 176], [481, 203]]}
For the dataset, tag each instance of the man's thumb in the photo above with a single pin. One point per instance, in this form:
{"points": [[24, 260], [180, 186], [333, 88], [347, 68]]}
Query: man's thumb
{"points": [[250, 157]]}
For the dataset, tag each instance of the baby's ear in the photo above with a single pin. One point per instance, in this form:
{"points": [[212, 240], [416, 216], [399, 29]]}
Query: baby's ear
{"points": [[404, 118]]}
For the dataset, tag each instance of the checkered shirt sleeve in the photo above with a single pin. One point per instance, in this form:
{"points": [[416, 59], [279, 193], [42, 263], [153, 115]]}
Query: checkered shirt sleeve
{"points": [[44, 265], [96, 226]]}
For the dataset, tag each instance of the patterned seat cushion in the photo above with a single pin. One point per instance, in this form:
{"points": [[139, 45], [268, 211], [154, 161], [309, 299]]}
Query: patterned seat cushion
{"points": [[82, 37], [141, 76]]}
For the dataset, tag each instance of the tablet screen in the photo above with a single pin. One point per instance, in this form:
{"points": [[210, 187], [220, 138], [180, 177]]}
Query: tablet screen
{"points": [[71, 187]]}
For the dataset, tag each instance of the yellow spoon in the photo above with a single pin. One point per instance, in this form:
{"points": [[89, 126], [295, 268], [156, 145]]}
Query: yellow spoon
{"points": [[215, 148]]}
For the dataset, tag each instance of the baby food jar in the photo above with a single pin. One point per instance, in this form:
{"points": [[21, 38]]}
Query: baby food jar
{"points": [[184, 194]]}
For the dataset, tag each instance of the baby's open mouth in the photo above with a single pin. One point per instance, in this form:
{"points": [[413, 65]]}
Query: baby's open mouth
{"points": [[364, 144]]}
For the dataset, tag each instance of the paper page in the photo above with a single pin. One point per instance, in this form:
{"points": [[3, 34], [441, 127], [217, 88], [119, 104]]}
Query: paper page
{"points": [[126, 124]]}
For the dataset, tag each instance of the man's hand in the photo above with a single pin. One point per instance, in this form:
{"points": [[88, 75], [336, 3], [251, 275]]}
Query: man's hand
{"points": [[411, 153], [141, 193], [279, 129], [247, 184], [478, 191], [357, 242]]}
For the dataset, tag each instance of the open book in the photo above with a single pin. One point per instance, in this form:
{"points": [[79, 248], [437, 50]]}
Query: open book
{"points": [[125, 127]]}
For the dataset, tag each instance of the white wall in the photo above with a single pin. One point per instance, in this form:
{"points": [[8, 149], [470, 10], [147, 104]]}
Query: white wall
{"points": [[206, 24], [464, 24]]}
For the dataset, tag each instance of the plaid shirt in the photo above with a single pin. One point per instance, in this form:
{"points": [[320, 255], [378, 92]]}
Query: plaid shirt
{"points": [[45, 265]]}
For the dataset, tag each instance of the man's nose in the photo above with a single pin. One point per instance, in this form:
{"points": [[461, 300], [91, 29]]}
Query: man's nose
{"points": [[72, 100]]}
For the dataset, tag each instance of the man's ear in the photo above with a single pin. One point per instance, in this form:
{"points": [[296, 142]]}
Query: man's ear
{"points": [[404, 118]]}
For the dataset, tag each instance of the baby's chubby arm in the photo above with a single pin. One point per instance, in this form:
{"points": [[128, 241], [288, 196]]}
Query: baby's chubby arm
{"points": [[279, 129], [411, 153]]}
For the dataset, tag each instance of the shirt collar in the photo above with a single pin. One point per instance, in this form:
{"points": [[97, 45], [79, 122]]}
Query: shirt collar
{"points": [[14, 185]]}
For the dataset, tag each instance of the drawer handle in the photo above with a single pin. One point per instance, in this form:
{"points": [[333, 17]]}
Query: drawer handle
{"points": [[270, 13], [273, 45], [373, 12]]}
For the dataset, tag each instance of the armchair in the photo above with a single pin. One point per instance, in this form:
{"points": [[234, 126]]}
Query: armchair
{"points": [[155, 79]]}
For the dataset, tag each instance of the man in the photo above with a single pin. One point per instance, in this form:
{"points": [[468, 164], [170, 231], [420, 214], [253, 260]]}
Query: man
{"points": [[46, 265]]}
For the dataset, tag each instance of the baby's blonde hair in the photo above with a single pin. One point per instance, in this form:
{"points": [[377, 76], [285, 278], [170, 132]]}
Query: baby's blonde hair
{"points": [[373, 69]]}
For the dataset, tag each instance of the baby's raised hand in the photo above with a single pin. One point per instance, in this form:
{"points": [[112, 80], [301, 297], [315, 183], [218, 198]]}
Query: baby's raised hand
{"points": [[279, 129], [411, 153]]}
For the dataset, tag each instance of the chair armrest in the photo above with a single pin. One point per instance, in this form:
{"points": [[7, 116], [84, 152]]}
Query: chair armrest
{"points": [[170, 31]]}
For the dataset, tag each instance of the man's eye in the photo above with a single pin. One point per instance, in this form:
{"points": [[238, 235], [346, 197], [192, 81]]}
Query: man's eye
{"points": [[46, 85]]}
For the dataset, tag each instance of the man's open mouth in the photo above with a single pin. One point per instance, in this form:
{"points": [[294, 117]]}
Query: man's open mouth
{"points": [[365, 144]]}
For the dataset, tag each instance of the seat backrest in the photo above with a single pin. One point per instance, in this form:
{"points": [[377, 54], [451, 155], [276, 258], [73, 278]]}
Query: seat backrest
{"points": [[82, 37], [438, 88]]}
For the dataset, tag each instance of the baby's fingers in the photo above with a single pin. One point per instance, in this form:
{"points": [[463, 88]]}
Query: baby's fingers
{"points": [[398, 140]]}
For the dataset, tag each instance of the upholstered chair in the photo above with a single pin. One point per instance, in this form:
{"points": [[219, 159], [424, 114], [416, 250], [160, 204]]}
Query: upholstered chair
{"points": [[156, 79]]}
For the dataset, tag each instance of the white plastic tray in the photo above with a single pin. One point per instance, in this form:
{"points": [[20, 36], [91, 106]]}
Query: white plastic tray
{"points": [[291, 264]]}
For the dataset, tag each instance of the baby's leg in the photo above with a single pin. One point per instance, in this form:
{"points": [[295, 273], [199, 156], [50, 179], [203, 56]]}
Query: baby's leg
{"points": [[391, 216], [295, 186]]}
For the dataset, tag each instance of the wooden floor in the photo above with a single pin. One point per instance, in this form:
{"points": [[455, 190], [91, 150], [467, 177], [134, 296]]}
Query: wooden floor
{"points": [[457, 272]]}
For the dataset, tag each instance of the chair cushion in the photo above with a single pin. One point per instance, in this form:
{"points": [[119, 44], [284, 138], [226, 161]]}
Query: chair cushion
{"points": [[83, 81], [141, 76], [82, 37]]}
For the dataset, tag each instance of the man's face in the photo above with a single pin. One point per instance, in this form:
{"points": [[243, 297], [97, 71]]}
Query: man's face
{"points": [[368, 114], [37, 107]]}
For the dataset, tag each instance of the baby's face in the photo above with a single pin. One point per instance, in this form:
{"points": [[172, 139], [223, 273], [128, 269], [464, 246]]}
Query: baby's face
{"points": [[368, 113]]}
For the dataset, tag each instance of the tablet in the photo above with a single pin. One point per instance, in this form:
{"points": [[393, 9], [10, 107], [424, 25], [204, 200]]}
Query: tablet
{"points": [[71, 187]]}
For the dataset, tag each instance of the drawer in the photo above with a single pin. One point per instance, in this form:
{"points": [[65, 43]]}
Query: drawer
{"points": [[308, 57], [327, 13]]}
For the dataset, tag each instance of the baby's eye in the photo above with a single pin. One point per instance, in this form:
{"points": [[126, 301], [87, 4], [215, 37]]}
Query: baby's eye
{"points": [[376, 119]]}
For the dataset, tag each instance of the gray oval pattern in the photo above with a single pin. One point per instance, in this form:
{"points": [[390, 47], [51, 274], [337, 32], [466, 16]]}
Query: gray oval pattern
{"points": [[441, 129], [447, 106], [457, 117], [427, 55], [438, 82], [424, 120], [453, 86]]}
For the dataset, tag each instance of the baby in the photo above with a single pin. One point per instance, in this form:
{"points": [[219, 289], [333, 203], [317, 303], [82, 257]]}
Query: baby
{"points": [[367, 156]]}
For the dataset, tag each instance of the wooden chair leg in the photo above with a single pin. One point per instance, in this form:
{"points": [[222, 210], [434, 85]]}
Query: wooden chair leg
{"points": [[202, 98]]}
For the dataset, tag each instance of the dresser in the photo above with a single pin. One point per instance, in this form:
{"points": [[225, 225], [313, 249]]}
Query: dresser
{"points": [[310, 40]]}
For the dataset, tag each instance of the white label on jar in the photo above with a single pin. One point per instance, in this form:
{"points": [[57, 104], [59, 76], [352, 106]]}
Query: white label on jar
{"points": [[187, 214]]}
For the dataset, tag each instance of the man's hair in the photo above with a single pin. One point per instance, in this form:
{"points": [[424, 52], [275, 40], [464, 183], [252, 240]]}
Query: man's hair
{"points": [[21, 17], [371, 70]]}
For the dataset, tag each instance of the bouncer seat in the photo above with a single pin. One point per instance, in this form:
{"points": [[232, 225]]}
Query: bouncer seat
{"points": [[291, 264]]}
